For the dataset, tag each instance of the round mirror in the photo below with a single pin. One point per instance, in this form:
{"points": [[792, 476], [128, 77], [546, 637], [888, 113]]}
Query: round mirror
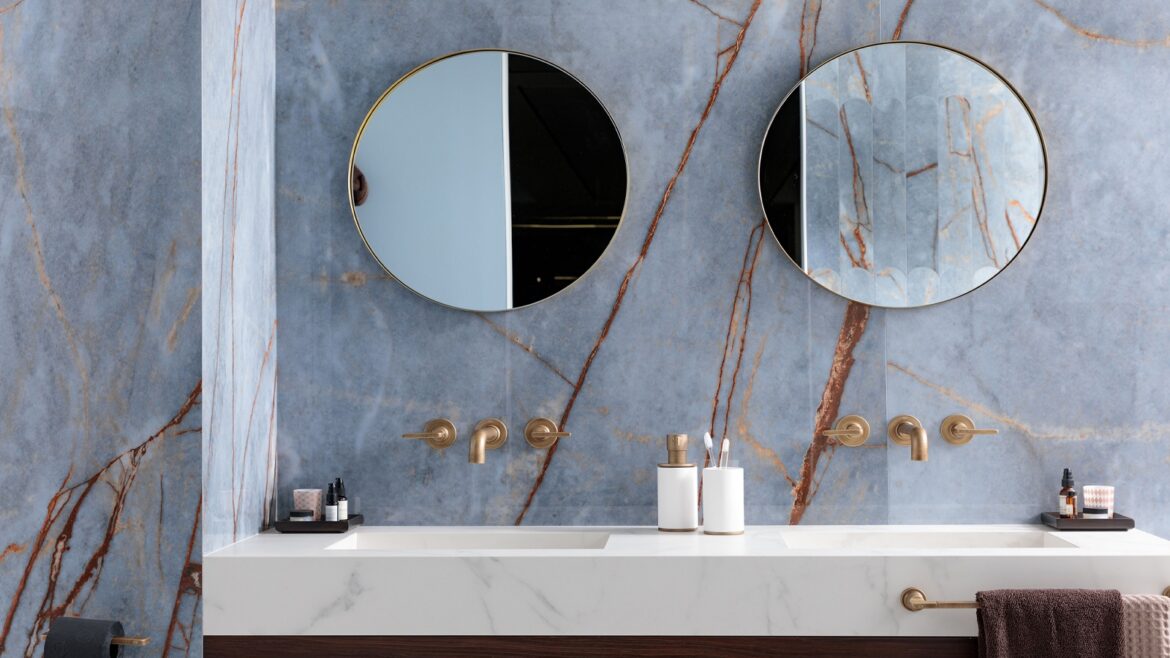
{"points": [[487, 180], [902, 174]]}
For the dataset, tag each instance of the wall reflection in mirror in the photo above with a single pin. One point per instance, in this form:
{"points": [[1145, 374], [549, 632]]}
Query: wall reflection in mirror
{"points": [[902, 174], [489, 180]]}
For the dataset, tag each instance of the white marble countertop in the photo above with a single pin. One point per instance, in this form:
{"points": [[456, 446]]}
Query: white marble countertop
{"points": [[772, 580], [759, 541]]}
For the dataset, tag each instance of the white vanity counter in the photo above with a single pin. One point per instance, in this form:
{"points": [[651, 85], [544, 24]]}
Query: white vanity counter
{"points": [[772, 580]]}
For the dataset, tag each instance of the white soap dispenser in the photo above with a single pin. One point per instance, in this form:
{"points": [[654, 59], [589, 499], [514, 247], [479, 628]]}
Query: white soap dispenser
{"points": [[678, 488]]}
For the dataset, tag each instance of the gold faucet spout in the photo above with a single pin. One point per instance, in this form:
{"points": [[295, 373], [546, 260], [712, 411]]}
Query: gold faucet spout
{"points": [[908, 431], [919, 444], [489, 434]]}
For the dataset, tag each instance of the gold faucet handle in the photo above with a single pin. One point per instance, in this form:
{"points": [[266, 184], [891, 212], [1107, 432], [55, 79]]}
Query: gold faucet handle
{"points": [[543, 432], [850, 431], [959, 429], [440, 433]]}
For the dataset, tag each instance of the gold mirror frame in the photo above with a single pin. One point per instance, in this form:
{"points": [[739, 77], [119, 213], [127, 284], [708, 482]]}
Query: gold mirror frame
{"points": [[976, 60], [386, 94]]}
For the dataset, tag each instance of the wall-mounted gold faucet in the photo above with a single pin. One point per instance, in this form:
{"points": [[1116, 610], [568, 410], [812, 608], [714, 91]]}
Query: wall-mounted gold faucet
{"points": [[489, 434], [543, 432], [439, 433], [908, 431]]}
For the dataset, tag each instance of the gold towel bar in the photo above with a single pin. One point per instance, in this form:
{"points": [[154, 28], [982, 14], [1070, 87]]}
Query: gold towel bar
{"points": [[120, 640], [913, 599]]}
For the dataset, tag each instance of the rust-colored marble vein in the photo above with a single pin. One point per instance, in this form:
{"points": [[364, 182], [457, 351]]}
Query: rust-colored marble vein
{"points": [[744, 427], [646, 242], [901, 21], [1104, 38], [529, 349], [810, 11], [921, 170], [72, 497], [238, 487], [227, 219], [12, 549], [971, 155], [860, 205], [1145, 432], [864, 77], [714, 13], [7, 8], [184, 313], [35, 246], [1015, 237], [747, 278], [190, 585], [852, 330], [728, 341]]}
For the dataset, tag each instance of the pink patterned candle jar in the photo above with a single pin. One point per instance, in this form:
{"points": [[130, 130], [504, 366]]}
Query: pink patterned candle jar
{"points": [[1098, 502]]}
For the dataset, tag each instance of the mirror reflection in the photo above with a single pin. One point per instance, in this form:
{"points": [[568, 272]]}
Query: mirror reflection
{"points": [[902, 174], [487, 180]]}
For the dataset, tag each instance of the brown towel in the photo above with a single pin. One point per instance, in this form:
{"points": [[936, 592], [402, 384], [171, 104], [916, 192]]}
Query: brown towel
{"points": [[1146, 619], [1062, 623]]}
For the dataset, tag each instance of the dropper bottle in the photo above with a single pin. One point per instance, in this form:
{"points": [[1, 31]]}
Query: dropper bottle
{"points": [[1068, 496]]}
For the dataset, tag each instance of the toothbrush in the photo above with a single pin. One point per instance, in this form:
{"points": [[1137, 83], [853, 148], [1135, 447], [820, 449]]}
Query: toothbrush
{"points": [[724, 453], [710, 449]]}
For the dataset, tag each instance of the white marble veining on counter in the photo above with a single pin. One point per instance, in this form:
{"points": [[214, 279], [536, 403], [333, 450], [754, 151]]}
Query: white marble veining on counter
{"points": [[809, 580]]}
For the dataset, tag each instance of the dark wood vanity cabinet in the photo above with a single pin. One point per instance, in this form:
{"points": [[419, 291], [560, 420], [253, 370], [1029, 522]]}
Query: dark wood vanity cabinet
{"points": [[608, 646]]}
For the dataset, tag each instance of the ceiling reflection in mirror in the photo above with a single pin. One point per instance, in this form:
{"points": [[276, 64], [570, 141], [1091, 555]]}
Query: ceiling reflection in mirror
{"points": [[488, 180], [902, 174]]}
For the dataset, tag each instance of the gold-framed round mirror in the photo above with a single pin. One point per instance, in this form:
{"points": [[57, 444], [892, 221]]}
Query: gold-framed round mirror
{"points": [[487, 180], [902, 174]]}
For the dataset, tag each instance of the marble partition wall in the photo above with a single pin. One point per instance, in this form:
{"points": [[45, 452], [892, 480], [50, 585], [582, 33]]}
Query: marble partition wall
{"points": [[99, 307], [239, 302], [694, 321]]}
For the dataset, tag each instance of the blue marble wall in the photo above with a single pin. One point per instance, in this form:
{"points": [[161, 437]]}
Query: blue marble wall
{"points": [[239, 302], [694, 320], [99, 303]]}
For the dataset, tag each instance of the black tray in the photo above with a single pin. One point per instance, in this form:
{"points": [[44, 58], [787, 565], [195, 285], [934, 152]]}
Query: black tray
{"points": [[1118, 522], [285, 525]]}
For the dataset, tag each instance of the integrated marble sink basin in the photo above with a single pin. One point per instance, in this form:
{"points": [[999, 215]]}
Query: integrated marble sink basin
{"points": [[857, 539], [472, 540]]}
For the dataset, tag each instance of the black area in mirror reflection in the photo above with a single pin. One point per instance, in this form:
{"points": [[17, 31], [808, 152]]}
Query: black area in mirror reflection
{"points": [[568, 179], [494, 179], [902, 174]]}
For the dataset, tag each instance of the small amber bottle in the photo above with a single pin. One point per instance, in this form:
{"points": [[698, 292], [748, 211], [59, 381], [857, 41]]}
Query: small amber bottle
{"points": [[1068, 496]]}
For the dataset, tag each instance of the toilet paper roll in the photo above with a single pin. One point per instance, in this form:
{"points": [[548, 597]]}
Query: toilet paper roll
{"points": [[74, 637]]}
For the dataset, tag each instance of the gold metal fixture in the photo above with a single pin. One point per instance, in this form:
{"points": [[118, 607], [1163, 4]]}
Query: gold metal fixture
{"points": [[959, 429], [908, 431], [914, 600], [119, 640], [676, 453], [489, 434], [542, 433], [850, 431], [439, 433]]}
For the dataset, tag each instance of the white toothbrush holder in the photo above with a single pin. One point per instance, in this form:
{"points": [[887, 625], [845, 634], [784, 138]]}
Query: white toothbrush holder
{"points": [[723, 501]]}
